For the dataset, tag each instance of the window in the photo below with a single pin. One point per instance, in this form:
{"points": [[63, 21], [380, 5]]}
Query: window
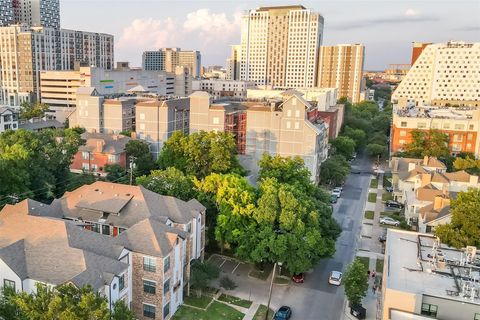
{"points": [[297, 125], [105, 229], [166, 310], [289, 113], [85, 155], [429, 309], [142, 116], [446, 126], [403, 124], [421, 125], [149, 286], [289, 125], [459, 126], [166, 286], [9, 284], [142, 126], [96, 227], [149, 264], [297, 113], [149, 311], [458, 137], [470, 127], [216, 120], [113, 158], [166, 264], [121, 282], [403, 133], [85, 166]]}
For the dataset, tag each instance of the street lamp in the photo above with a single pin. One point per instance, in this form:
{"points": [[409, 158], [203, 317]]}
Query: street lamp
{"points": [[274, 274]]}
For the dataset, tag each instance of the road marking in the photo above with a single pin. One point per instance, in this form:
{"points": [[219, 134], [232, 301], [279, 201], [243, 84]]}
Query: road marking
{"points": [[235, 268], [224, 260]]}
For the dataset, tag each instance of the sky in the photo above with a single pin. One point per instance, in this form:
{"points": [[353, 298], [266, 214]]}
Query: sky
{"points": [[387, 28]]}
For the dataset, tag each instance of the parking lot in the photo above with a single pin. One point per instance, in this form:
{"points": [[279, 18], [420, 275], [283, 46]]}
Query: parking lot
{"points": [[230, 266]]}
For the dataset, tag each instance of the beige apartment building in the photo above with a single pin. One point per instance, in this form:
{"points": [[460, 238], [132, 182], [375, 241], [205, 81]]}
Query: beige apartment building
{"points": [[424, 279], [277, 127], [157, 120], [280, 46], [233, 63], [167, 59], [341, 67]]}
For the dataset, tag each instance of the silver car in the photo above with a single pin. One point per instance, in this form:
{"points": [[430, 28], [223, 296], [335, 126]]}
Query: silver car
{"points": [[335, 278], [389, 221]]}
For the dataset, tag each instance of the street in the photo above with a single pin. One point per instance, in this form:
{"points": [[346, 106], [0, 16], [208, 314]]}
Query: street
{"points": [[316, 299]]}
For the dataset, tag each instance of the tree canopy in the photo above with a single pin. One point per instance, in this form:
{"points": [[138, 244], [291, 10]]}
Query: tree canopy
{"points": [[464, 228], [201, 153], [169, 182], [334, 170], [36, 165], [344, 146], [432, 143], [29, 110], [355, 281], [469, 164], [138, 151]]}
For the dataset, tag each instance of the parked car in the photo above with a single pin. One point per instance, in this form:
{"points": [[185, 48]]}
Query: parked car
{"points": [[333, 198], [284, 313], [335, 278], [394, 204], [390, 221], [337, 191], [383, 237], [299, 278], [355, 172], [389, 189]]}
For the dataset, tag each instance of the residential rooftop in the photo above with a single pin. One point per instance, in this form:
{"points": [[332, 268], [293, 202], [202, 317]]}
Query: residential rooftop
{"points": [[437, 112], [418, 264]]}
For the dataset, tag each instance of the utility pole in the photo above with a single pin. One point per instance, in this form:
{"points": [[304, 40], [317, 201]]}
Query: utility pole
{"points": [[271, 288], [132, 159]]}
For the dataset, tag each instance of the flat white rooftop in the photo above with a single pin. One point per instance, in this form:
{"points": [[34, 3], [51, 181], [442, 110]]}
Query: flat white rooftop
{"points": [[457, 113], [411, 268]]}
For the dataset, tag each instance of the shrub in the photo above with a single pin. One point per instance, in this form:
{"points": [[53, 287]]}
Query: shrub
{"points": [[227, 283]]}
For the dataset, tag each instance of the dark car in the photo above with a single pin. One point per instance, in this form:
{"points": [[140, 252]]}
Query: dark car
{"points": [[333, 198], [298, 278], [382, 238], [394, 204], [284, 313], [389, 189], [355, 172]]}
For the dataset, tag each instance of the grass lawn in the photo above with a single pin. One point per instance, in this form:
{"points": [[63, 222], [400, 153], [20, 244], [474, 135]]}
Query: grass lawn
{"points": [[372, 197], [387, 181], [365, 261], [260, 314], [374, 183], [369, 215], [379, 266], [234, 300], [387, 196], [281, 280], [216, 311], [200, 302], [259, 274]]}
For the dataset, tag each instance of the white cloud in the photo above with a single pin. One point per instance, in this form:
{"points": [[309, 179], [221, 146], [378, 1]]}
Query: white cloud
{"points": [[147, 34], [212, 26], [412, 13]]}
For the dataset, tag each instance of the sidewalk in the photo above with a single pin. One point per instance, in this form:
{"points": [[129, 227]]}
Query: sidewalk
{"points": [[251, 311], [371, 248]]}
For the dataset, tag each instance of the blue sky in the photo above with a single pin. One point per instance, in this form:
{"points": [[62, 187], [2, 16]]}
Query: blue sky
{"points": [[386, 28]]}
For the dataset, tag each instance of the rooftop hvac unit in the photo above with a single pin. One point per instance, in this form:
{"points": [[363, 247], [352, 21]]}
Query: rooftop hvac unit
{"points": [[471, 252]]}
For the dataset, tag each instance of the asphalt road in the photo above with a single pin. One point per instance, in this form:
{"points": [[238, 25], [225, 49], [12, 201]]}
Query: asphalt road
{"points": [[316, 299]]}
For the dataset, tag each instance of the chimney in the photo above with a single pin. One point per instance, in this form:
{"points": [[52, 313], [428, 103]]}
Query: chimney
{"points": [[425, 160], [473, 180], [426, 179], [440, 202], [100, 144]]}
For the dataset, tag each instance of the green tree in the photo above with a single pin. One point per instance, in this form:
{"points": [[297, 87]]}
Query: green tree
{"points": [[374, 150], [355, 281], [378, 138], [29, 110], [344, 146], [334, 170], [139, 152], [464, 228], [469, 164], [116, 173], [121, 311], [8, 308], [201, 153], [169, 182], [201, 274], [432, 143], [357, 135]]}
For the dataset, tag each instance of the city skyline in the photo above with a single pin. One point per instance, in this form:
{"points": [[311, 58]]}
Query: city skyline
{"points": [[212, 26]]}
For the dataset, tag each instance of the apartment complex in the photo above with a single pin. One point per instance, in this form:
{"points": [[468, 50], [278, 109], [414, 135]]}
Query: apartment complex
{"points": [[444, 74], [462, 125], [32, 13], [155, 237], [167, 59], [99, 150], [280, 46], [341, 67], [25, 52], [424, 279], [8, 119], [157, 120], [426, 189], [223, 88], [277, 127], [38, 249], [233, 63], [58, 89]]}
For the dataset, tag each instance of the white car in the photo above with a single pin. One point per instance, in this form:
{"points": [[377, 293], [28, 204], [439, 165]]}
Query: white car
{"points": [[335, 278], [389, 221], [337, 192]]}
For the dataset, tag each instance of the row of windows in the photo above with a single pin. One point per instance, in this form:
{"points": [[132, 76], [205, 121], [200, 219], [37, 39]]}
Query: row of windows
{"points": [[149, 264], [149, 311]]}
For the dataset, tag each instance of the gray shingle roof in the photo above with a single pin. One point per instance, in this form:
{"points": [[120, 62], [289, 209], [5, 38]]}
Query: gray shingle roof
{"points": [[110, 143]]}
